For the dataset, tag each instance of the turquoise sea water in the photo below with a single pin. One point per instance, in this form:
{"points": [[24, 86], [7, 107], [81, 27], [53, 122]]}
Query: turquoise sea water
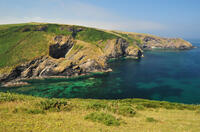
{"points": [[161, 75]]}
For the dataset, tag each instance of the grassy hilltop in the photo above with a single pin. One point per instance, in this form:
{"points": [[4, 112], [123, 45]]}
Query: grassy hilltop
{"points": [[27, 113]]}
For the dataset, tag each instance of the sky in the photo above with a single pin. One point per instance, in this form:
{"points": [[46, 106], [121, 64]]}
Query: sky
{"points": [[166, 18]]}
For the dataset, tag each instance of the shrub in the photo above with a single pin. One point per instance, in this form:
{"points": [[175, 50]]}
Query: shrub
{"points": [[97, 106], [151, 119], [103, 118], [124, 110], [54, 105], [9, 97], [151, 105]]}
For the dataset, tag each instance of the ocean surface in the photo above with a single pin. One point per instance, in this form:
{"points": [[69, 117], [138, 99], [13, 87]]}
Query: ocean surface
{"points": [[161, 75]]}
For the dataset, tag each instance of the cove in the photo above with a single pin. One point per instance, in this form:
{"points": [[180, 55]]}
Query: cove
{"points": [[161, 75]]}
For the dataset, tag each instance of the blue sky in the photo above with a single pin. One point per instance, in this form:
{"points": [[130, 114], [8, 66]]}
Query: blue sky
{"points": [[169, 18]]}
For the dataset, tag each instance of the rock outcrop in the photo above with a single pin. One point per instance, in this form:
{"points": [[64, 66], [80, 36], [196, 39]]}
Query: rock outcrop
{"points": [[165, 43], [151, 42]]}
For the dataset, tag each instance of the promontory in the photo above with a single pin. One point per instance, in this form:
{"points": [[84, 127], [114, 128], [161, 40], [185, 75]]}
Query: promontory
{"points": [[34, 50]]}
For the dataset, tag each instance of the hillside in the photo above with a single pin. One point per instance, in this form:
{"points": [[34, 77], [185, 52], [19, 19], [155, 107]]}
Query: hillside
{"points": [[26, 113], [33, 50]]}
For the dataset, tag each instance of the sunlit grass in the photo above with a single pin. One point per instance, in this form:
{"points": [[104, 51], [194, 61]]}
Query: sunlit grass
{"points": [[27, 113]]}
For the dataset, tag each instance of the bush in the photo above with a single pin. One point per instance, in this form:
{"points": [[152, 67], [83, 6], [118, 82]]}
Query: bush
{"points": [[103, 118], [151, 105], [9, 97], [97, 106], [54, 105], [151, 119], [125, 110]]}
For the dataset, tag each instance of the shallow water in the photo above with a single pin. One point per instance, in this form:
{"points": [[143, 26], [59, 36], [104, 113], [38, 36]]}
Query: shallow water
{"points": [[161, 75]]}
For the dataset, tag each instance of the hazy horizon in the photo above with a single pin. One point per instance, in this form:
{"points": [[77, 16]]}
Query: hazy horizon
{"points": [[163, 18]]}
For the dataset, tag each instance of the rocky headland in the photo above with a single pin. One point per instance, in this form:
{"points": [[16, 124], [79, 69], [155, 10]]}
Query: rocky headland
{"points": [[67, 51]]}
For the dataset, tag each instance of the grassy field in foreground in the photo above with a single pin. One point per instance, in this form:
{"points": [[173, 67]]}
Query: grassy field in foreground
{"points": [[27, 113]]}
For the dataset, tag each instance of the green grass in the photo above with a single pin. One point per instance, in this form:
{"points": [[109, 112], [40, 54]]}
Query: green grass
{"points": [[94, 36], [28, 113]]}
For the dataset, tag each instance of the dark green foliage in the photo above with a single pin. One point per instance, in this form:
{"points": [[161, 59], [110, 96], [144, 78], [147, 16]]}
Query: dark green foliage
{"points": [[9, 97], [151, 105], [53, 105], [151, 119], [124, 110], [159, 104], [97, 106], [103, 118]]}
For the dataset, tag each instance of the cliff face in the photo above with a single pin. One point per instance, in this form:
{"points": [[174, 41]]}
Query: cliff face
{"points": [[71, 51], [151, 42]]}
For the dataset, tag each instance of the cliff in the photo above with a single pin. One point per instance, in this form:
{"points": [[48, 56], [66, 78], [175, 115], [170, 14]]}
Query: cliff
{"points": [[44, 50]]}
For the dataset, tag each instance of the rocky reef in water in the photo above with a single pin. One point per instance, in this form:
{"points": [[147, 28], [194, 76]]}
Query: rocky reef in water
{"points": [[66, 51]]}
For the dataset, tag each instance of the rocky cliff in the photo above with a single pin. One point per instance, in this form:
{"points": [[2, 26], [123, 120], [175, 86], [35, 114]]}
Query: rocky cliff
{"points": [[150, 42], [66, 51]]}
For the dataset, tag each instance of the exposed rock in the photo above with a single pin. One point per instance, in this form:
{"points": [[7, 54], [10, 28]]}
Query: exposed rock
{"points": [[62, 44], [15, 84], [165, 43], [133, 52], [120, 47], [116, 48], [34, 28], [90, 66]]}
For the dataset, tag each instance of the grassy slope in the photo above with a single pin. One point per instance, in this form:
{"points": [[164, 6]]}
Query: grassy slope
{"points": [[26, 113]]}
